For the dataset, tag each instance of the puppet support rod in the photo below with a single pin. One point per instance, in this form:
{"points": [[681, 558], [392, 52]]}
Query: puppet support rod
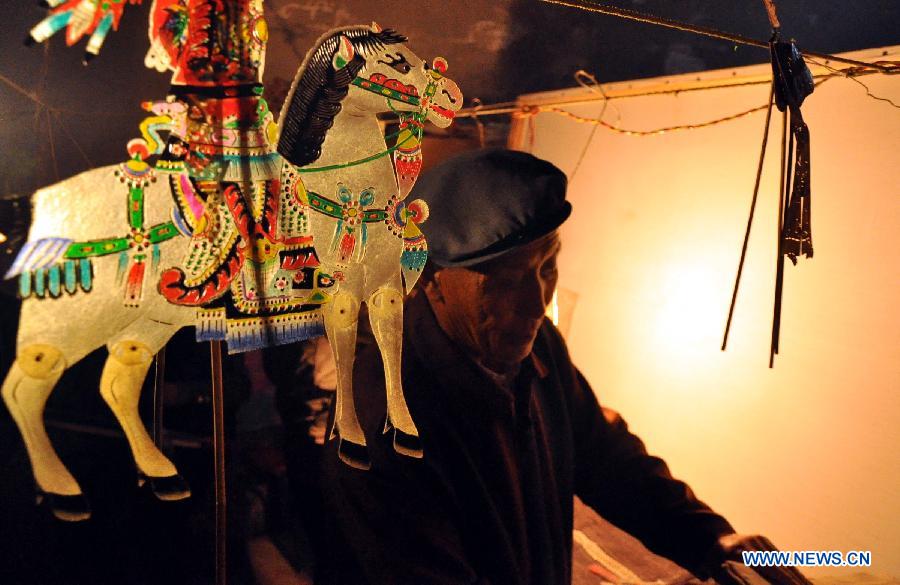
{"points": [[627, 14], [215, 355]]}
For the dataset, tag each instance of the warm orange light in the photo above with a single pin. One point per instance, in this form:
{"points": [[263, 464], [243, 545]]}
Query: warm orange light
{"points": [[799, 452], [552, 309], [685, 317]]}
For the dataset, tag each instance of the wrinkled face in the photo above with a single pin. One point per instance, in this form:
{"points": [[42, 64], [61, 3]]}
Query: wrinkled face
{"points": [[494, 310]]}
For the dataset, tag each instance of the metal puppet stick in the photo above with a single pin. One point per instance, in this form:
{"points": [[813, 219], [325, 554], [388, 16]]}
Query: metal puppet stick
{"points": [[792, 82], [759, 169], [159, 385], [215, 355]]}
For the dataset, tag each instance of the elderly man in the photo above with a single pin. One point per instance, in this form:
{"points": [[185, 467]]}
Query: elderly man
{"points": [[511, 430]]}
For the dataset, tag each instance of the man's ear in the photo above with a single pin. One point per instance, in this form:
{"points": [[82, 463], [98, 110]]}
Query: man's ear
{"points": [[430, 283], [344, 54]]}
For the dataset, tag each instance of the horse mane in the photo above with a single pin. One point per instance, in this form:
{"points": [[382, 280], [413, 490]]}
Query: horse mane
{"points": [[317, 91]]}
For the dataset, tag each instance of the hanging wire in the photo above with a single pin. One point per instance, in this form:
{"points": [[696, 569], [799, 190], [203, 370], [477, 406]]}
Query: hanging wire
{"points": [[36, 98], [29, 94], [587, 144], [46, 113], [851, 73], [77, 144], [42, 112], [589, 82], [52, 143], [658, 131], [592, 6], [518, 110]]}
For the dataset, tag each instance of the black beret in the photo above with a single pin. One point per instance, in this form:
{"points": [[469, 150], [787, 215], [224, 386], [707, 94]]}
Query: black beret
{"points": [[486, 202]]}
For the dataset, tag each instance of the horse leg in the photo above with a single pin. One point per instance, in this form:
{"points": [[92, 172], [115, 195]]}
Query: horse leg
{"points": [[25, 391], [120, 386], [341, 316], [386, 316]]}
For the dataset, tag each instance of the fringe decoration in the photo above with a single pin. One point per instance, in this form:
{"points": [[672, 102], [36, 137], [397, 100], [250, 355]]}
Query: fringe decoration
{"points": [[134, 287], [364, 233], [251, 168], [71, 277], [39, 282], [87, 274], [348, 243], [53, 281], [122, 267], [210, 325], [258, 332], [25, 285], [154, 258]]}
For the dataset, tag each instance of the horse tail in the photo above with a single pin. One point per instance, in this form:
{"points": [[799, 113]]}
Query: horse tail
{"points": [[15, 220]]}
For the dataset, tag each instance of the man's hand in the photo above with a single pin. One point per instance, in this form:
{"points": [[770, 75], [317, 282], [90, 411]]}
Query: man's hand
{"points": [[730, 548]]}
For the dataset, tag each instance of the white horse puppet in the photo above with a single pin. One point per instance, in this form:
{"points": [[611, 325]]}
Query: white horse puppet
{"points": [[83, 288], [363, 229]]}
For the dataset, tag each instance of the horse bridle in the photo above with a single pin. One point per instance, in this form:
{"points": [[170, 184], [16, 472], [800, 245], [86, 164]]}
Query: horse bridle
{"points": [[415, 119]]}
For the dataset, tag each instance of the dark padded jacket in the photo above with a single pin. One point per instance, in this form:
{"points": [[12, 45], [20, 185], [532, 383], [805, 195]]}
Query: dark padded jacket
{"points": [[491, 502]]}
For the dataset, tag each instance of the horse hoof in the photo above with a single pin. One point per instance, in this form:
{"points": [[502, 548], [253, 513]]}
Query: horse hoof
{"points": [[69, 508], [354, 455], [406, 444], [167, 489]]}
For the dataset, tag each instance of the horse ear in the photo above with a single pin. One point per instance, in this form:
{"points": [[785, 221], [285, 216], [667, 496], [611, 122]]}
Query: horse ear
{"points": [[344, 53], [376, 28]]}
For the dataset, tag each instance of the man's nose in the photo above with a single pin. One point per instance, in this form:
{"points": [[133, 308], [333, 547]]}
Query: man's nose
{"points": [[530, 298]]}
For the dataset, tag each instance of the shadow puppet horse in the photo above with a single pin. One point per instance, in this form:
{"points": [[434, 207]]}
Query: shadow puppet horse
{"points": [[364, 232]]}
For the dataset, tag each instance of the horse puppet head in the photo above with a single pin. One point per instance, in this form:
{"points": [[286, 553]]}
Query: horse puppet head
{"points": [[371, 70]]}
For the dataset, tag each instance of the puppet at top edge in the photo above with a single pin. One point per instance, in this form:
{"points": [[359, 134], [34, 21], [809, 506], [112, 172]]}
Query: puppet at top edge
{"points": [[80, 18]]}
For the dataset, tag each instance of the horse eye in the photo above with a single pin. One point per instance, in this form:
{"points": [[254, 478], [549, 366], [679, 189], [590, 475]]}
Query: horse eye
{"points": [[398, 63]]}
